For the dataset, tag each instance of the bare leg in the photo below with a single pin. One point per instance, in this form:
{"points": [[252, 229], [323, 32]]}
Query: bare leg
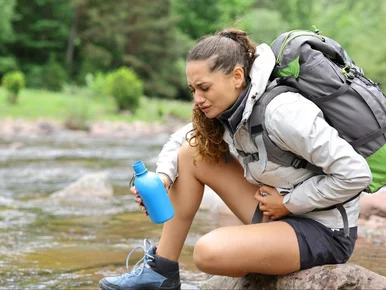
{"points": [[226, 179], [269, 248]]}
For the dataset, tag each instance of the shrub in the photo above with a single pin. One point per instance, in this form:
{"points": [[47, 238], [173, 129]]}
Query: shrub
{"points": [[125, 87], [13, 82], [77, 117], [34, 76], [8, 64], [54, 75], [96, 83]]}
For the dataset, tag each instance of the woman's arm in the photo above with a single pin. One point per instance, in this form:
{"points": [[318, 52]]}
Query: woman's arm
{"points": [[168, 157], [296, 124]]}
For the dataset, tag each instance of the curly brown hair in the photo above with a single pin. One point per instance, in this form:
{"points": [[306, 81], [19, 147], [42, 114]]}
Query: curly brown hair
{"points": [[225, 49]]}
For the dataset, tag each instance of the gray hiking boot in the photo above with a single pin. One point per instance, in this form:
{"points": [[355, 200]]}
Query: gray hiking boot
{"points": [[156, 272]]}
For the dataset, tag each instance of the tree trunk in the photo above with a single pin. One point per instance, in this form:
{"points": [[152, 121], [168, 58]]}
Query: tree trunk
{"points": [[71, 39]]}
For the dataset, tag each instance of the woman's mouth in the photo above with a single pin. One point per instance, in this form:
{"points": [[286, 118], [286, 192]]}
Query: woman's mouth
{"points": [[205, 108]]}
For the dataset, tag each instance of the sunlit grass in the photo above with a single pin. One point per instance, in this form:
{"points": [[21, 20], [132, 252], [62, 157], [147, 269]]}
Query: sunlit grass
{"points": [[42, 104]]}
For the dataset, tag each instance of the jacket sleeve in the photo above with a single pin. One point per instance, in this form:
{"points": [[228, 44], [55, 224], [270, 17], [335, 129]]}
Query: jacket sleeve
{"points": [[296, 124], [168, 157]]}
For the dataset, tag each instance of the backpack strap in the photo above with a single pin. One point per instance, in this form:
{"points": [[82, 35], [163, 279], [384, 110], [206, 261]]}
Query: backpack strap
{"points": [[260, 136]]}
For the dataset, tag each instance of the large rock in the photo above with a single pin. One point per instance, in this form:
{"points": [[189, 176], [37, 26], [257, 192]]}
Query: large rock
{"points": [[93, 185], [346, 276]]}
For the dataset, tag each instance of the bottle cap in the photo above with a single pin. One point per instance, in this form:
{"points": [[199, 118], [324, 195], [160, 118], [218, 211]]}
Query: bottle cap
{"points": [[139, 168]]}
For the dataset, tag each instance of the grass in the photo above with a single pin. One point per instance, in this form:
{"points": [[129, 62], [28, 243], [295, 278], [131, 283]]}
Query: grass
{"points": [[78, 103]]}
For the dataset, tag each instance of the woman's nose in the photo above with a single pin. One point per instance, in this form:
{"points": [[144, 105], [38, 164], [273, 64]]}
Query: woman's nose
{"points": [[199, 98]]}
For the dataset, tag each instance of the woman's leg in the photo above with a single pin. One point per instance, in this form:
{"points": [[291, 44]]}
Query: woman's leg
{"points": [[267, 248], [226, 179]]}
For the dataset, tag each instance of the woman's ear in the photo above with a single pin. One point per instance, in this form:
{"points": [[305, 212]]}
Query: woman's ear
{"points": [[238, 77]]}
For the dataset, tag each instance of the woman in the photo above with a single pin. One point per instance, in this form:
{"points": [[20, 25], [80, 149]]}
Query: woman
{"points": [[227, 74]]}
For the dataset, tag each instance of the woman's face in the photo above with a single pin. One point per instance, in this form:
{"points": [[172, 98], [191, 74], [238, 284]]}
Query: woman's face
{"points": [[213, 92]]}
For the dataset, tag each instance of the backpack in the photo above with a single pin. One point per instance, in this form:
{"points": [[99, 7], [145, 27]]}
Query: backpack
{"points": [[318, 68]]}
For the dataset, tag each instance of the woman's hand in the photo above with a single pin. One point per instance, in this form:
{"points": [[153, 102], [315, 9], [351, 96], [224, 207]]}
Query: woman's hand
{"points": [[271, 202], [166, 182], [138, 199]]}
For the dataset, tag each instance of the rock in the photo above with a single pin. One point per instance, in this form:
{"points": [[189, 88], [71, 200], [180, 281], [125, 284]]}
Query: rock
{"points": [[96, 185], [373, 204], [344, 276]]}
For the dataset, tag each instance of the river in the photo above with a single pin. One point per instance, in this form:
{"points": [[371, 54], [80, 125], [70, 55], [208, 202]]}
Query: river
{"points": [[47, 244]]}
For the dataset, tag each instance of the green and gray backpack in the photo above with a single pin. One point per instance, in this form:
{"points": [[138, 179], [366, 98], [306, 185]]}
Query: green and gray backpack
{"points": [[320, 69]]}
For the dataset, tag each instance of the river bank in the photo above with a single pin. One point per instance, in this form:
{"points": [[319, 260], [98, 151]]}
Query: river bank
{"points": [[12, 129]]}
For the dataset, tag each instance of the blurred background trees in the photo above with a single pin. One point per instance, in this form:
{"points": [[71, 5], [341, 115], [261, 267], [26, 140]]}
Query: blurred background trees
{"points": [[55, 43]]}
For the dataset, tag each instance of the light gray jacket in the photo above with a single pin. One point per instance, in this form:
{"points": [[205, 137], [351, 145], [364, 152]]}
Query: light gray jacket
{"points": [[294, 124]]}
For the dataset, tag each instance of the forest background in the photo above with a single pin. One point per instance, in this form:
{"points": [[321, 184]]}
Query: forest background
{"points": [[82, 60]]}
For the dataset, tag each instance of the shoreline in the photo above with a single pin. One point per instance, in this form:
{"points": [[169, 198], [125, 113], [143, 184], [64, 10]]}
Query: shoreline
{"points": [[14, 129]]}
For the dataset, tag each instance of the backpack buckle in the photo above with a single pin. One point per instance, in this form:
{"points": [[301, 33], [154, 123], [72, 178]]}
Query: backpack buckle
{"points": [[299, 163], [251, 157], [349, 73]]}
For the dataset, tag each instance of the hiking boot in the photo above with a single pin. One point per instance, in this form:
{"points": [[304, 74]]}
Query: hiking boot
{"points": [[156, 272]]}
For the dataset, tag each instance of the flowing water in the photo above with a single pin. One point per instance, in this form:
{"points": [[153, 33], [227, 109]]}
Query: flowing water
{"points": [[49, 244]]}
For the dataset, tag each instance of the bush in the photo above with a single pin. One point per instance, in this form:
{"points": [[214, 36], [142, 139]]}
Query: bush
{"points": [[77, 115], [54, 75], [13, 82], [8, 64], [125, 87], [33, 76], [96, 83]]}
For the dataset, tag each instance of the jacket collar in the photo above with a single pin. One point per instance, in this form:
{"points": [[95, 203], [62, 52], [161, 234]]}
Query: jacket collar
{"points": [[260, 73]]}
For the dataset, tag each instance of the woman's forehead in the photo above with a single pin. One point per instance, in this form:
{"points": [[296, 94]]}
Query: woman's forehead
{"points": [[198, 71]]}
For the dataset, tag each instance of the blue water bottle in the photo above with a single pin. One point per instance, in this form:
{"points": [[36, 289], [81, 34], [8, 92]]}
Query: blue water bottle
{"points": [[153, 194]]}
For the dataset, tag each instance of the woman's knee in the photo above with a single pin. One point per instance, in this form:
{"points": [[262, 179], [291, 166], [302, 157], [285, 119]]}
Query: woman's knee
{"points": [[207, 252]]}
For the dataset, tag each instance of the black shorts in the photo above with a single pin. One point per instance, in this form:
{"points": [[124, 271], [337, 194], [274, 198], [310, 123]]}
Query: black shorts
{"points": [[320, 245]]}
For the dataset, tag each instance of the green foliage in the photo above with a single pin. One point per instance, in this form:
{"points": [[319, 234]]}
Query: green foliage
{"points": [[7, 64], [125, 87], [97, 83], [153, 37], [54, 75], [357, 25], [7, 14], [197, 17], [95, 58], [57, 106], [254, 22], [13, 82], [77, 115], [34, 76]]}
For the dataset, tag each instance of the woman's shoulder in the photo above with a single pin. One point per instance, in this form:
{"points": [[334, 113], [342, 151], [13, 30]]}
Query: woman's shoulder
{"points": [[290, 106], [291, 114]]}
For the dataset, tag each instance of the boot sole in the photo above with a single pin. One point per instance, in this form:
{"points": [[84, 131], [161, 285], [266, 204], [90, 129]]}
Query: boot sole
{"points": [[104, 286]]}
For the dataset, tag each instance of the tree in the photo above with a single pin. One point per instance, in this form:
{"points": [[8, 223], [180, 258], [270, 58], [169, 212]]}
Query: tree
{"points": [[7, 14], [41, 28], [139, 34], [79, 7]]}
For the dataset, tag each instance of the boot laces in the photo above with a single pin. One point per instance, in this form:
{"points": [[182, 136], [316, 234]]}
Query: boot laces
{"points": [[138, 268]]}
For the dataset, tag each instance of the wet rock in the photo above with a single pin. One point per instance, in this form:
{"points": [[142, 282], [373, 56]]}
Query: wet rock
{"points": [[373, 204], [20, 127], [346, 276], [96, 185]]}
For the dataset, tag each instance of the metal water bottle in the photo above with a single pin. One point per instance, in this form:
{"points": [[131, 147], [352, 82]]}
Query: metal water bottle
{"points": [[153, 194]]}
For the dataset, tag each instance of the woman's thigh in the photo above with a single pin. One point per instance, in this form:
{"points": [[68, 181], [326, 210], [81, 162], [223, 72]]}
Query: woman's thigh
{"points": [[226, 179], [268, 248]]}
